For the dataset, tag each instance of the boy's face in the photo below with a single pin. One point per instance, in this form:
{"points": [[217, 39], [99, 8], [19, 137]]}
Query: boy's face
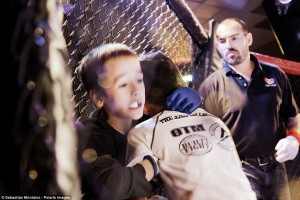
{"points": [[125, 92]]}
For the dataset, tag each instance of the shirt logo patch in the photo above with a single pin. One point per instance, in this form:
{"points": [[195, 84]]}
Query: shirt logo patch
{"points": [[270, 82], [195, 145], [222, 137]]}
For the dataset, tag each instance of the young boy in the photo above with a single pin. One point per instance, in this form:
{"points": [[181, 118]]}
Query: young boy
{"points": [[195, 153], [112, 76]]}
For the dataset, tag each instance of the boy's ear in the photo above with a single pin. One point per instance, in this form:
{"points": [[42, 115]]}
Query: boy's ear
{"points": [[96, 98]]}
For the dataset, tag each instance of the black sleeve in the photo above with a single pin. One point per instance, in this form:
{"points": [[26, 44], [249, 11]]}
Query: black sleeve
{"points": [[106, 175], [119, 182], [288, 107]]}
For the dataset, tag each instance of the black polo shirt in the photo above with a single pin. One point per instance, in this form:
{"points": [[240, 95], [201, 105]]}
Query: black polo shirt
{"points": [[254, 111]]}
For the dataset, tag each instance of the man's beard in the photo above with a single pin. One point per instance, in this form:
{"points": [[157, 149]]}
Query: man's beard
{"points": [[234, 60]]}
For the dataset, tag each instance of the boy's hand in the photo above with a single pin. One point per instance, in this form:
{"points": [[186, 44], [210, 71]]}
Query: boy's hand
{"points": [[184, 99], [150, 165]]}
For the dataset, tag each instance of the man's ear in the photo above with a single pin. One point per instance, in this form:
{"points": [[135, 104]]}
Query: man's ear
{"points": [[96, 98], [249, 39]]}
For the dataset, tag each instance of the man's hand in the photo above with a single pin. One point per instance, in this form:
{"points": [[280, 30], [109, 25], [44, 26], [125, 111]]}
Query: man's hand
{"points": [[287, 149], [184, 99]]}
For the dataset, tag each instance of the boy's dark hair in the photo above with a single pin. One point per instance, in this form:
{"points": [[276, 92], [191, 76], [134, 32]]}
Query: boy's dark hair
{"points": [[92, 63], [161, 77]]}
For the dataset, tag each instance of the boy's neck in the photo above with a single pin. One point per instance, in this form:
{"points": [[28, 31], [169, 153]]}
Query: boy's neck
{"points": [[152, 109], [121, 125]]}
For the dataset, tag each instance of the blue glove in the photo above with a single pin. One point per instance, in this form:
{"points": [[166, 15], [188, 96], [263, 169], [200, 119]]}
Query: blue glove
{"points": [[184, 99]]}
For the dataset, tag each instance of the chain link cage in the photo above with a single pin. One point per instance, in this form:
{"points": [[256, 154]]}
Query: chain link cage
{"points": [[143, 25]]}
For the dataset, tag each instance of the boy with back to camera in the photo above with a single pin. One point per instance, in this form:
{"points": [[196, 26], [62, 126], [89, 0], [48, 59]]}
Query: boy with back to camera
{"points": [[112, 76], [195, 153]]}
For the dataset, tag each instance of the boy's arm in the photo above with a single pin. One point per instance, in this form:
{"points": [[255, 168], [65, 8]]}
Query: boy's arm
{"points": [[139, 151], [120, 182], [149, 168]]}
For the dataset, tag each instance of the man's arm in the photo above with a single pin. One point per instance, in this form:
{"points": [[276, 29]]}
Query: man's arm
{"points": [[294, 123], [288, 148]]}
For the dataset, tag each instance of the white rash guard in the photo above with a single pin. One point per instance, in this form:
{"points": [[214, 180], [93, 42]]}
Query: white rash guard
{"points": [[195, 154]]}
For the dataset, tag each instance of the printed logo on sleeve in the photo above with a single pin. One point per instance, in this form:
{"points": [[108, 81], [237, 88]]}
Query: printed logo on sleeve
{"points": [[221, 137]]}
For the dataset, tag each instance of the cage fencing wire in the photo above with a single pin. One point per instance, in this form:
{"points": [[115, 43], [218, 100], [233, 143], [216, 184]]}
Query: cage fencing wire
{"points": [[145, 26]]}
